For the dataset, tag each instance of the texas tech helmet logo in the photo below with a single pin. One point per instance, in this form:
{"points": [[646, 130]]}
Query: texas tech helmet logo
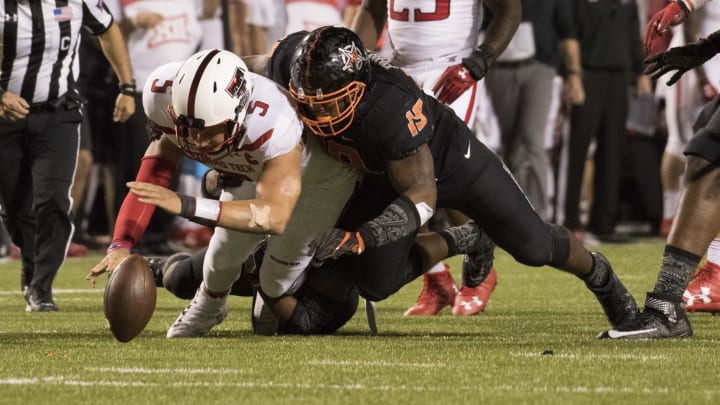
{"points": [[352, 58], [237, 85]]}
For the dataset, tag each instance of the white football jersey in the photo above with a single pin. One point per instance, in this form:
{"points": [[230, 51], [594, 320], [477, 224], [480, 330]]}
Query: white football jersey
{"points": [[425, 30], [272, 125], [175, 37]]}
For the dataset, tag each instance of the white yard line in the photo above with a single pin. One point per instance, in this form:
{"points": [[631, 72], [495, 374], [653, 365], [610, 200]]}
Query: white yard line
{"points": [[588, 356], [580, 389], [60, 291], [140, 370], [376, 364]]}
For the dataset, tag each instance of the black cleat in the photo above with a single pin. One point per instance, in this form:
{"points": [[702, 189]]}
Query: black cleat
{"points": [[38, 301], [477, 265], [162, 266], [617, 302], [661, 319]]}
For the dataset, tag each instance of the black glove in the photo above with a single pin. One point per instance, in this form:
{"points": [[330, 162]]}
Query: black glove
{"points": [[683, 58], [336, 243], [479, 61]]}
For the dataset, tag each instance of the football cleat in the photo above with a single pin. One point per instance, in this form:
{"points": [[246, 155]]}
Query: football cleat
{"points": [[264, 321], [617, 302], [478, 264], [471, 301], [703, 292], [438, 292], [661, 319], [199, 316], [38, 301], [162, 266]]}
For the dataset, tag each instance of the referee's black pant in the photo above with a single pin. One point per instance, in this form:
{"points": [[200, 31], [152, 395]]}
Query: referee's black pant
{"points": [[602, 118], [38, 156]]}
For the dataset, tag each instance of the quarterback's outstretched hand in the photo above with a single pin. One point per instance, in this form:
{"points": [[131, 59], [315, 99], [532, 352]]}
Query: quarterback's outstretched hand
{"points": [[454, 81], [107, 264], [657, 31], [682, 58], [336, 243]]}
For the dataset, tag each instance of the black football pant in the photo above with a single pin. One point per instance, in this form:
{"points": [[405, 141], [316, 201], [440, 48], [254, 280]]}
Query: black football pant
{"points": [[37, 164]]}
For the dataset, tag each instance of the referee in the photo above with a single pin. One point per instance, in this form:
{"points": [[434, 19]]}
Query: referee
{"points": [[40, 114]]}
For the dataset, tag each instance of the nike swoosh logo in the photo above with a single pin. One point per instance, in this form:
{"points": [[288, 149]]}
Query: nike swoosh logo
{"points": [[467, 154], [619, 334]]}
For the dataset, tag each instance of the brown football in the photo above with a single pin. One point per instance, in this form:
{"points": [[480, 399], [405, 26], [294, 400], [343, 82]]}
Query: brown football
{"points": [[130, 297]]}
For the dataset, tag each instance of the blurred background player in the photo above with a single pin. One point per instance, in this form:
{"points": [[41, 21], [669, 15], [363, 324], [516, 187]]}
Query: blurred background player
{"points": [[432, 43]]}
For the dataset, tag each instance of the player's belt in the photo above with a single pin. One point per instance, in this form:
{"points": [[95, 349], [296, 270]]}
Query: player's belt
{"points": [[514, 63]]}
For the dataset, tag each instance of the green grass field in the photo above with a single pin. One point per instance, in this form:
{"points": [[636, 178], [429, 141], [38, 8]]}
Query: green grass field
{"points": [[70, 357]]}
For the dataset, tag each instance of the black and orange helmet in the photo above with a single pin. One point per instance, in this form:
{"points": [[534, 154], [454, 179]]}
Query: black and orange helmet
{"points": [[328, 76]]}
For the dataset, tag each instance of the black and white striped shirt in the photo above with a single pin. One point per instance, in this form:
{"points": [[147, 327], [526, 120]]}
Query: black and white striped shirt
{"points": [[39, 44]]}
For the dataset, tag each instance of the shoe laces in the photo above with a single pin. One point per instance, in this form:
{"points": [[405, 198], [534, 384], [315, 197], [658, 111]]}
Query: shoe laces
{"points": [[427, 295]]}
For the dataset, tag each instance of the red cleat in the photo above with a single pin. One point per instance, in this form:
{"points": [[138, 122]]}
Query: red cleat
{"points": [[703, 292], [473, 300], [438, 292]]}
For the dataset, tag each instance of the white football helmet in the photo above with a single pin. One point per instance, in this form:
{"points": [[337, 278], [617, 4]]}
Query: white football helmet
{"points": [[211, 88]]}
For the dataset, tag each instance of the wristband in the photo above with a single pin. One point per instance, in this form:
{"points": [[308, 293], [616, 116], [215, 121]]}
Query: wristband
{"points": [[203, 211], [128, 89], [119, 244], [479, 61]]}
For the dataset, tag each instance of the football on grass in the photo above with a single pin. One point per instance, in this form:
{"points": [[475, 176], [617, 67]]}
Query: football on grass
{"points": [[130, 297]]}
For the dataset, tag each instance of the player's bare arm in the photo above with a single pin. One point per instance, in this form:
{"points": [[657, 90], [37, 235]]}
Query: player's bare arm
{"points": [[277, 191], [414, 177], [369, 22]]}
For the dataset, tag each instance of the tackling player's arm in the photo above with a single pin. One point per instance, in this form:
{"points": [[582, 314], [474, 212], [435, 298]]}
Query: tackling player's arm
{"points": [[370, 21], [276, 193], [414, 178]]}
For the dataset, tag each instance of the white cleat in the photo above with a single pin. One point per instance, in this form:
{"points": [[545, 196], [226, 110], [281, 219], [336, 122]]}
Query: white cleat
{"points": [[199, 316]]}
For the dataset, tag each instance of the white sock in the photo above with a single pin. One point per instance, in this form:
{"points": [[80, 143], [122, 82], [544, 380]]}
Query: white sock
{"points": [[713, 252], [437, 268], [671, 198]]}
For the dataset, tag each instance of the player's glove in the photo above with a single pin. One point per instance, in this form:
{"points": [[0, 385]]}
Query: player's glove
{"points": [[657, 35], [336, 243], [456, 79], [683, 58]]}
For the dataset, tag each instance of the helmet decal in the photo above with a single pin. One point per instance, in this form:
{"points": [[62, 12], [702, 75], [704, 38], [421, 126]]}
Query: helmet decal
{"points": [[353, 60]]}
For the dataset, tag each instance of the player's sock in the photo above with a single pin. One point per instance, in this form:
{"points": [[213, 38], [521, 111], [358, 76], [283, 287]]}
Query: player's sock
{"points": [[437, 268], [462, 239], [675, 271], [713, 252], [598, 276]]}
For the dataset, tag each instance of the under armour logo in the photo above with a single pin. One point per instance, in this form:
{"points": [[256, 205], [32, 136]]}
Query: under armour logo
{"points": [[11, 18], [704, 296], [469, 304]]}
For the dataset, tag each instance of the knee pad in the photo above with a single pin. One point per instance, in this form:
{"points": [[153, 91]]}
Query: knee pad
{"points": [[560, 246]]}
